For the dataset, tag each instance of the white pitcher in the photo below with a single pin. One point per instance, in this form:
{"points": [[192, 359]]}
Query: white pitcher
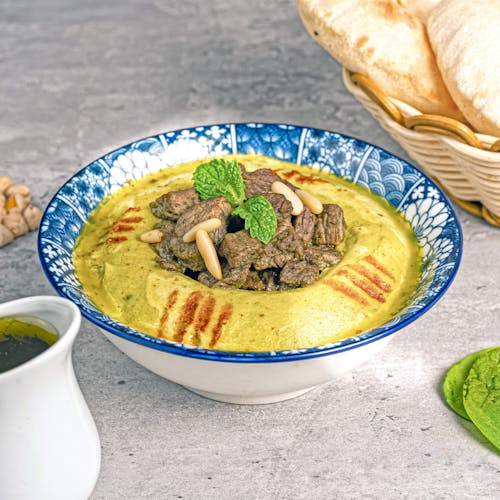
{"points": [[49, 446]]}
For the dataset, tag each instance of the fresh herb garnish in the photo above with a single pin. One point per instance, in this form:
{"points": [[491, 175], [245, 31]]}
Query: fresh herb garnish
{"points": [[223, 178], [220, 178], [259, 217]]}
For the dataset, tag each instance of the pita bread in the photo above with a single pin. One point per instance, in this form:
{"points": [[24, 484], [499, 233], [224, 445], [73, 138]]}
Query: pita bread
{"points": [[420, 8], [383, 40], [466, 38]]}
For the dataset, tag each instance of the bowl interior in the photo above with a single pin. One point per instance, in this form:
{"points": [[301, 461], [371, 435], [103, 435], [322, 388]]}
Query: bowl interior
{"points": [[424, 204]]}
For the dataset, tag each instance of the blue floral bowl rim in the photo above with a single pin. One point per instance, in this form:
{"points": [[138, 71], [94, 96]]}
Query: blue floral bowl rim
{"points": [[261, 356]]}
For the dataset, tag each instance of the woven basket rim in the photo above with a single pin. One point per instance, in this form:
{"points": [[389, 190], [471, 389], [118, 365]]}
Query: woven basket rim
{"points": [[393, 115], [408, 110]]}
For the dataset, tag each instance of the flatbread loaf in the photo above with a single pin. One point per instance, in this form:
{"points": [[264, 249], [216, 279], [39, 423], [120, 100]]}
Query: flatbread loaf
{"points": [[383, 40], [466, 39], [421, 8]]}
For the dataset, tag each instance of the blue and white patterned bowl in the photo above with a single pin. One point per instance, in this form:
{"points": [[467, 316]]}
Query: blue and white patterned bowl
{"points": [[245, 377]]}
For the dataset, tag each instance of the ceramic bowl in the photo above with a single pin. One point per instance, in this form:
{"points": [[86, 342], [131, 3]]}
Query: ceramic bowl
{"points": [[262, 377]]}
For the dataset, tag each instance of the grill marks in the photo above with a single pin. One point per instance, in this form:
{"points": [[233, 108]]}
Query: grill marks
{"points": [[295, 175], [186, 315], [369, 281], [123, 225], [115, 239], [172, 299], [132, 220], [195, 315], [346, 290], [121, 228], [203, 317], [364, 284], [375, 263], [372, 276], [224, 316]]}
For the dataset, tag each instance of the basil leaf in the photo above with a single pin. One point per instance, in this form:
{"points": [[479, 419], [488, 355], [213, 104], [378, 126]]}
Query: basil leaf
{"points": [[220, 178], [260, 218]]}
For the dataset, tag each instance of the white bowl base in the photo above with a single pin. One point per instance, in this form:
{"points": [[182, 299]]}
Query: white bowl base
{"points": [[249, 400]]}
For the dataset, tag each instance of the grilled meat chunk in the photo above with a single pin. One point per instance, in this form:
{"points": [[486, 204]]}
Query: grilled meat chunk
{"points": [[207, 209], [329, 229], [187, 253], [285, 246], [240, 249], [173, 204], [322, 256], [298, 273], [304, 224], [282, 207], [301, 248]]}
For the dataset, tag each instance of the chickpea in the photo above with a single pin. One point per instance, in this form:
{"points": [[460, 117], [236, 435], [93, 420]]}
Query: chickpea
{"points": [[21, 189], [14, 221], [5, 183], [6, 235], [32, 215]]}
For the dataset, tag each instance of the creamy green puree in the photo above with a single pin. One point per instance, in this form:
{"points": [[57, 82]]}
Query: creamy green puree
{"points": [[379, 271]]}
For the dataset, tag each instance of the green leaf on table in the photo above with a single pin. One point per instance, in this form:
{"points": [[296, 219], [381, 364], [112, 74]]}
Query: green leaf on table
{"points": [[259, 217], [220, 178], [482, 395], [454, 380]]}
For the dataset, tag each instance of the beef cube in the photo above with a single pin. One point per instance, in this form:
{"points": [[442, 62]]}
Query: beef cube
{"points": [[260, 181], [208, 280], [234, 276], [187, 253], [285, 246], [322, 256], [207, 209], [240, 249], [163, 248], [286, 239], [170, 265], [282, 207], [270, 279], [231, 278], [329, 229], [304, 225], [172, 205], [298, 273], [254, 282]]}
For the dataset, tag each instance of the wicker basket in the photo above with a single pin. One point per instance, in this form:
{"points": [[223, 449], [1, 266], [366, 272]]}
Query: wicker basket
{"points": [[465, 164]]}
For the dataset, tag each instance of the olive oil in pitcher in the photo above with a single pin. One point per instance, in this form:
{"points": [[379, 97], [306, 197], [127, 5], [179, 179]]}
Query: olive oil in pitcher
{"points": [[23, 338]]}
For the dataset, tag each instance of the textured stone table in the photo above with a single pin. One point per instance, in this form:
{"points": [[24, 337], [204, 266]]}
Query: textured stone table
{"points": [[79, 78]]}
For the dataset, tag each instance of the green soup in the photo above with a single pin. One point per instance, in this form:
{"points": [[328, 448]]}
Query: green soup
{"points": [[21, 339]]}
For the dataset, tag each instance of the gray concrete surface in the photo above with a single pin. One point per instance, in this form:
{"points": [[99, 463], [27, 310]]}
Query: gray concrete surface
{"points": [[79, 78]]}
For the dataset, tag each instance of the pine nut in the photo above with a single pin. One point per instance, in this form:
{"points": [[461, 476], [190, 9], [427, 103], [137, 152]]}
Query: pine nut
{"points": [[207, 250], [310, 201], [5, 182], [208, 225], [280, 188], [153, 236]]}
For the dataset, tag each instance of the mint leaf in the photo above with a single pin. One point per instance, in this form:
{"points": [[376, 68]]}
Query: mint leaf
{"points": [[220, 178], [260, 218]]}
